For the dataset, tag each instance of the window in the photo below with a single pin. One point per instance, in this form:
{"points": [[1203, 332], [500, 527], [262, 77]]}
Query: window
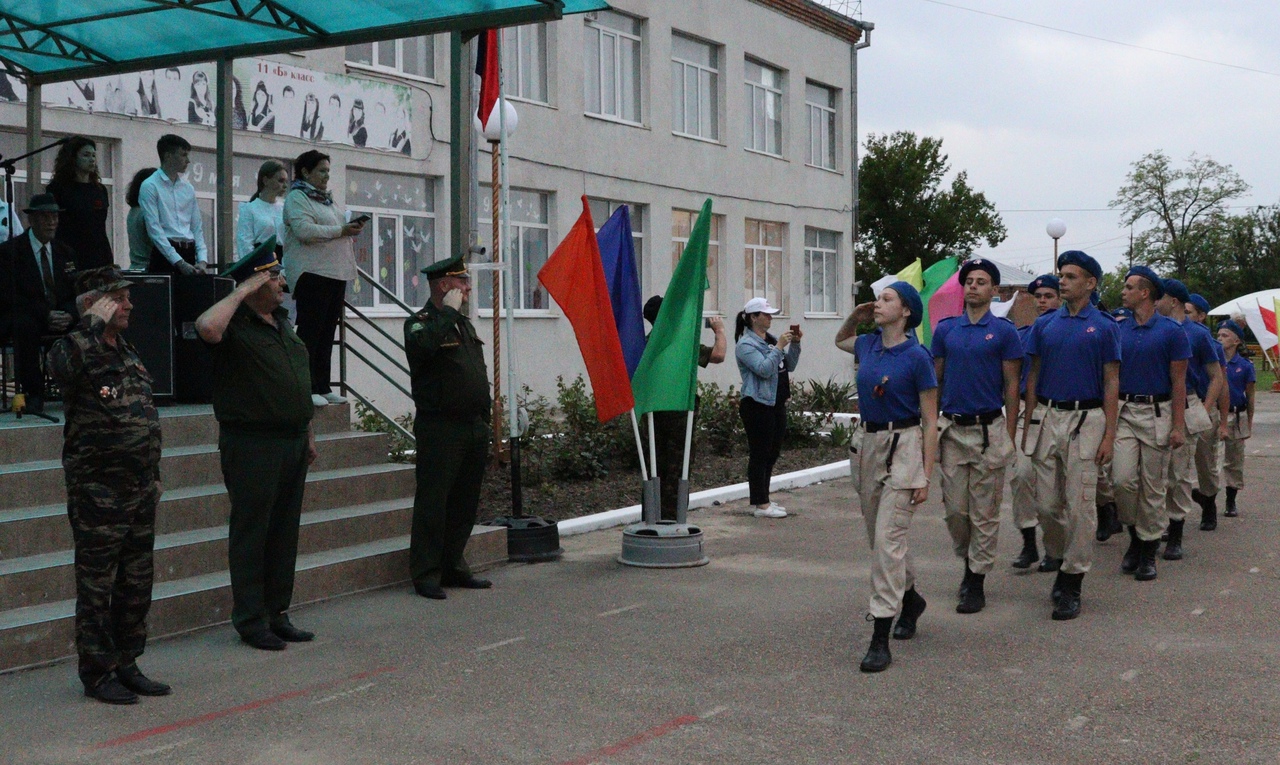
{"points": [[764, 275], [821, 270], [613, 66], [681, 225], [414, 56], [694, 88], [820, 103], [764, 108], [400, 240], [524, 59], [602, 209], [530, 245]]}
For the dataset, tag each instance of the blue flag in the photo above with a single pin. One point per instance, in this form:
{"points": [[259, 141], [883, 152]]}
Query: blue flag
{"points": [[618, 254]]}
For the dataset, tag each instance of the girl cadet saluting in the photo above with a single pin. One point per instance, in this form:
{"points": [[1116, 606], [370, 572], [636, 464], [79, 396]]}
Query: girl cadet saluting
{"points": [[892, 453]]}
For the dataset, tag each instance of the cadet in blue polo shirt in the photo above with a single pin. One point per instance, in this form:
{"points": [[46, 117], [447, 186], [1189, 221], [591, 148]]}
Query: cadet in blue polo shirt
{"points": [[1208, 458], [1153, 396], [975, 444], [1241, 381], [1075, 367]]}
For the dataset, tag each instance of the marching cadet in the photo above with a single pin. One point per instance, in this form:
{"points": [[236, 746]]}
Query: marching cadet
{"points": [[892, 453], [975, 442], [1153, 393], [1075, 368], [1027, 513], [1241, 379], [1209, 457], [111, 458], [1204, 384], [451, 426]]}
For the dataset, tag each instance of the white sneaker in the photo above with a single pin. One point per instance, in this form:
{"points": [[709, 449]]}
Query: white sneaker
{"points": [[774, 510], [319, 400], [334, 398]]}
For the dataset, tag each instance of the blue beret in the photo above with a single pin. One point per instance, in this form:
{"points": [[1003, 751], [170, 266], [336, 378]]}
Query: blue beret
{"points": [[1122, 313], [1157, 283], [1236, 328], [911, 299], [1177, 289], [1081, 259], [978, 264], [1042, 281], [1198, 301]]}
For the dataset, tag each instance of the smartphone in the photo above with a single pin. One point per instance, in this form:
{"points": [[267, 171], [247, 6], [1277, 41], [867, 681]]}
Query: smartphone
{"points": [[362, 218], [795, 329], [706, 323]]}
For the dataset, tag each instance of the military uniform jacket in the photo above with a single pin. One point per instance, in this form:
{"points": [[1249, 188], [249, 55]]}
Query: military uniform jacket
{"points": [[446, 364], [112, 433]]}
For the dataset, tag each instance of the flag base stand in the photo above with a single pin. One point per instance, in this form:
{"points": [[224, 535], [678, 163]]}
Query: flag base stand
{"points": [[654, 543], [530, 539]]}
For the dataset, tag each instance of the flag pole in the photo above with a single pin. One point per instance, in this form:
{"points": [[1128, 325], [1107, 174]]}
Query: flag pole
{"points": [[635, 428], [688, 442]]}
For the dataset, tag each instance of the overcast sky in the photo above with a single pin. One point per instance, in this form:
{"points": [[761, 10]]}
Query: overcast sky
{"points": [[1046, 120]]}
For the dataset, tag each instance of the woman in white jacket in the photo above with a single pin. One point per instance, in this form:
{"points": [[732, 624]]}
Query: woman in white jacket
{"points": [[262, 217]]}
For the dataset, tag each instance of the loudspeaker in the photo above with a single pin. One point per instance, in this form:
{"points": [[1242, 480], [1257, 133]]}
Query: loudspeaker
{"points": [[193, 366], [151, 328]]}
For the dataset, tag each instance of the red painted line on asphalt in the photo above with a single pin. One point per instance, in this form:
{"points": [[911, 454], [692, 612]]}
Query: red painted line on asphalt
{"points": [[636, 740], [142, 735]]}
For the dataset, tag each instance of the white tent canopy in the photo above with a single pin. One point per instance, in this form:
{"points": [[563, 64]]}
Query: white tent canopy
{"points": [[1265, 298]]}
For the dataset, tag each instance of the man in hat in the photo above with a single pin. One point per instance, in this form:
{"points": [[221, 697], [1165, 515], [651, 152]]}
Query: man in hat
{"points": [[451, 427], [1075, 371], [975, 443], [1209, 444], [111, 459], [262, 400], [1153, 396], [37, 293]]}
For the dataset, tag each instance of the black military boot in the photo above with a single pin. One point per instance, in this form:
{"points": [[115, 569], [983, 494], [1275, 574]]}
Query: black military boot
{"points": [[1029, 554], [964, 583], [1173, 549], [878, 658], [912, 606], [1049, 564], [1056, 594], [1209, 512], [974, 599], [1231, 511], [1108, 522], [1129, 563], [1146, 570], [1068, 605]]}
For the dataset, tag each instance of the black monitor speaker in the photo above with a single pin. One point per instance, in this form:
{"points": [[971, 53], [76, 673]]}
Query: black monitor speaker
{"points": [[192, 296], [151, 328]]}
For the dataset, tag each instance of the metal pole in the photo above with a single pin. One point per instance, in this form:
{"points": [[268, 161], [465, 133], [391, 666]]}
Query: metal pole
{"points": [[225, 223], [495, 281], [461, 144], [509, 294], [853, 151], [688, 442], [342, 354], [35, 137], [635, 428]]}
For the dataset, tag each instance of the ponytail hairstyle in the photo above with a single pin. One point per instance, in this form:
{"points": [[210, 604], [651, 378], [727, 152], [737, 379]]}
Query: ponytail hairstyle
{"points": [[741, 323], [265, 171]]}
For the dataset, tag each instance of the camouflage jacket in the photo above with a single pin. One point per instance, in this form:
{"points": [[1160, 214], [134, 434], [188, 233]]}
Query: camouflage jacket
{"points": [[112, 434]]}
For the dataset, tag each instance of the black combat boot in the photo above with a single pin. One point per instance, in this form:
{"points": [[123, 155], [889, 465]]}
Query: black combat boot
{"points": [[878, 658], [1029, 554], [1108, 522], [1056, 594], [964, 583], [1231, 511], [912, 606], [1068, 605], [1209, 512], [974, 599], [1146, 570], [1049, 564], [1129, 563], [1173, 549]]}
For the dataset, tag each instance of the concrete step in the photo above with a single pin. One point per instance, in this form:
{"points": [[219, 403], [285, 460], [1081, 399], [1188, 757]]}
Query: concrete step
{"points": [[46, 632]]}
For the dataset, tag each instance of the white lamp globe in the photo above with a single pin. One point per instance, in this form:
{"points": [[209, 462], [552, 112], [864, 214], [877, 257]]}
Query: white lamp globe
{"points": [[1056, 228], [492, 132]]}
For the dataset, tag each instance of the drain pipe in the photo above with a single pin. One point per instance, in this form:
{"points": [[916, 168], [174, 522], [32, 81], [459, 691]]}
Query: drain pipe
{"points": [[866, 27]]}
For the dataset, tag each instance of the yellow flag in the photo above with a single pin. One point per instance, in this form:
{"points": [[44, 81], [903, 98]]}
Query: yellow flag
{"points": [[913, 275]]}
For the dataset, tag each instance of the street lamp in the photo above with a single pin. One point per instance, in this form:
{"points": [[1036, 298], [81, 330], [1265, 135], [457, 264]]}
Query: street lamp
{"points": [[1056, 228]]}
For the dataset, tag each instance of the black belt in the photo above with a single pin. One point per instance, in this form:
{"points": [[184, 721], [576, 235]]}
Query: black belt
{"points": [[876, 427], [1139, 399], [986, 418], [1088, 403], [1238, 409]]}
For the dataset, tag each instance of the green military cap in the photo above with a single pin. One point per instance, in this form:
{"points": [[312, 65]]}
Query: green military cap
{"points": [[262, 258], [103, 279], [455, 266]]}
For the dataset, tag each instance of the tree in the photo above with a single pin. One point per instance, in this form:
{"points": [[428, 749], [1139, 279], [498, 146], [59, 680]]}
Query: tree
{"points": [[1186, 206], [905, 212]]}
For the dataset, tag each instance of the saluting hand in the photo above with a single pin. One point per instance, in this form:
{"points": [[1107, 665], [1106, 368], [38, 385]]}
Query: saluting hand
{"points": [[104, 308], [864, 313], [254, 283], [453, 299]]}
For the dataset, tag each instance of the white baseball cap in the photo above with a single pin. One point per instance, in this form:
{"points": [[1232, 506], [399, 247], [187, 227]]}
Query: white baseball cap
{"points": [[759, 305]]}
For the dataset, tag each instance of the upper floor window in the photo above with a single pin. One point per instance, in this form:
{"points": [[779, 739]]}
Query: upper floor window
{"points": [[764, 108], [820, 103], [695, 83], [613, 69], [524, 59], [681, 225], [409, 55]]}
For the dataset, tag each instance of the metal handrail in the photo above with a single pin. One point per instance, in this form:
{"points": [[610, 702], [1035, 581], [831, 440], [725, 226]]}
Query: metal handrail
{"points": [[345, 347], [385, 376], [378, 348], [388, 294]]}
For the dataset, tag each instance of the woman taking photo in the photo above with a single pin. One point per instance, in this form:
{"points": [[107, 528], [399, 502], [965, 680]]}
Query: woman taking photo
{"points": [[892, 453], [262, 217], [1241, 381], [764, 363], [318, 263], [76, 185]]}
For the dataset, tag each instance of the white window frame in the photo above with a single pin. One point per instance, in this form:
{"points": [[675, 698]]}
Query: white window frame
{"points": [[479, 280], [711, 109], [637, 236], [830, 262], [513, 76], [398, 69], [770, 94], [823, 120], [678, 244], [754, 252], [381, 306], [615, 35]]}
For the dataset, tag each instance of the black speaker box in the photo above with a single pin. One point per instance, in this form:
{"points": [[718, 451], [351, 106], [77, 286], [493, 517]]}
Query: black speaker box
{"points": [[151, 328], [192, 296]]}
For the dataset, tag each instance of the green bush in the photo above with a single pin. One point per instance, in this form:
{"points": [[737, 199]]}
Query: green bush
{"points": [[719, 424], [398, 446]]}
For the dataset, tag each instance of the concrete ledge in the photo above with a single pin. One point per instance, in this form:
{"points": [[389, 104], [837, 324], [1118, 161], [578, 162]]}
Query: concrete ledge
{"points": [[487, 547], [624, 515]]}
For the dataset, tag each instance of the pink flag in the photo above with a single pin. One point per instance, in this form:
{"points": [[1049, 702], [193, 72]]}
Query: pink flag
{"points": [[947, 301]]}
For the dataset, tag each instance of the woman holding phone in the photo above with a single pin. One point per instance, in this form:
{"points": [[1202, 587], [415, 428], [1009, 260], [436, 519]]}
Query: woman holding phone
{"points": [[318, 262], [764, 362]]}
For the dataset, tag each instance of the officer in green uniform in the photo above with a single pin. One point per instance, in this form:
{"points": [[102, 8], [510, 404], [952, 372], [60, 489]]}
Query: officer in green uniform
{"points": [[111, 457], [451, 394], [262, 400]]}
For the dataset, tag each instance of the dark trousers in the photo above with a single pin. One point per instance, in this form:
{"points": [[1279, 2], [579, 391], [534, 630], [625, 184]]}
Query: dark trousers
{"points": [[319, 300], [265, 477], [452, 454], [161, 265], [114, 532], [765, 426], [669, 429], [28, 332]]}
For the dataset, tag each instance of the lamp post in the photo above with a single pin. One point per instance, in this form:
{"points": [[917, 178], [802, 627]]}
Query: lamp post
{"points": [[1056, 228]]}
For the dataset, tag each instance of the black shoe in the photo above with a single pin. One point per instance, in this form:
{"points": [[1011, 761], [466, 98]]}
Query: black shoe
{"points": [[878, 658], [1108, 522], [1209, 512], [964, 583], [1056, 594], [912, 606], [467, 582], [263, 639], [1029, 554], [1146, 570], [974, 599], [1231, 511], [132, 678], [1068, 605], [108, 690], [433, 591], [1049, 564], [291, 634], [1129, 563], [1173, 549]]}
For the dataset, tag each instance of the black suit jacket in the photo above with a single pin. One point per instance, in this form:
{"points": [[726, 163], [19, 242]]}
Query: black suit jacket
{"points": [[22, 286]]}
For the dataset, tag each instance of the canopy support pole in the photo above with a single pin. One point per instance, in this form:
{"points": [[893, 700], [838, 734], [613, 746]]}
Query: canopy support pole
{"points": [[35, 138], [225, 222], [461, 136]]}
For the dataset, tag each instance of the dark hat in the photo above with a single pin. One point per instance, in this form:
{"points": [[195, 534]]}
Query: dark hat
{"points": [[978, 264], [455, 266], [1157, 283], [1082, 260], [103, 279], [911, 299], [1122, 313], [262, 258], [1199, 302], [651, 308], [1042, 281], [43, 203], [1236, 328], [1177, 289]]}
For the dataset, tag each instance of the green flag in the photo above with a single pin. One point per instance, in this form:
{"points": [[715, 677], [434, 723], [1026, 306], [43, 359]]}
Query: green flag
{"points": [[667, 378], [934, 277]]}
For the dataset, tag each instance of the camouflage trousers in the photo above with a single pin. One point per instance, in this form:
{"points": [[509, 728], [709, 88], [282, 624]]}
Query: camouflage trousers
{"points": [[114, 531]]}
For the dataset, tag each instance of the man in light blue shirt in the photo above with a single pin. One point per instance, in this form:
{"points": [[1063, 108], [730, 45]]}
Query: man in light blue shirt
{"points": [[171, 213]]}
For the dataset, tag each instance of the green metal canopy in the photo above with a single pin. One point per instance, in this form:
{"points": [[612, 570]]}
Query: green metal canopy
{"points": [[57, 40]]}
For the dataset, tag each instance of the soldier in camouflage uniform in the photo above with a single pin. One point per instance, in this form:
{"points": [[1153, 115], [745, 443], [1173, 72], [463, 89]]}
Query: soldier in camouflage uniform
{"points": [[111, 457]]}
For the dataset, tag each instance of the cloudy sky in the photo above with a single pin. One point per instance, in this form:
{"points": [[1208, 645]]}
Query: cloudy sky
{"points": [[1048, 121]]}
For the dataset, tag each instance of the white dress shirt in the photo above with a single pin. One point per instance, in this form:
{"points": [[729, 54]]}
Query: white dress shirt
{"points": [[170, 210], [259, 220], [5, 233]]}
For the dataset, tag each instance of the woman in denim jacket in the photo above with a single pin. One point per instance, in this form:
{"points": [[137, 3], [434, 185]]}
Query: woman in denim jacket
{"points": [[764, 363]]}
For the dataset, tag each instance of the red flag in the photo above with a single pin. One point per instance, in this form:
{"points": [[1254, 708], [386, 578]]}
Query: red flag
{"points": [[1268, 319], [487, 68], [574, 275]]}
